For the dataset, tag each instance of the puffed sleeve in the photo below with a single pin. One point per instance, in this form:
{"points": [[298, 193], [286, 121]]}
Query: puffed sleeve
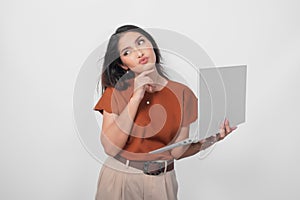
{"points": [[190, 107], [106, 102]]}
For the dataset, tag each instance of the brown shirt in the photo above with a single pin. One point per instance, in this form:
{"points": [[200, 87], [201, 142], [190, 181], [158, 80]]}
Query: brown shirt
{"points": [[158, 119]]}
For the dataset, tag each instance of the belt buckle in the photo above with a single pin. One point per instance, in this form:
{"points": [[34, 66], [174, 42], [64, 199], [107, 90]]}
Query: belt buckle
{"points": [[156, 172]]}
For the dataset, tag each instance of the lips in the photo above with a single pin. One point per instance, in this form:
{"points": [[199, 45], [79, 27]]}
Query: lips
{"points": [[143, 60]]}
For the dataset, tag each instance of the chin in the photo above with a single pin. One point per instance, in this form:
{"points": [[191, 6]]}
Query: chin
{"points": [[148, 66], [141, 68]]}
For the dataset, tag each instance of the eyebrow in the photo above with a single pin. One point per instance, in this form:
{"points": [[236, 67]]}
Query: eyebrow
{"points": [[134, 41]]}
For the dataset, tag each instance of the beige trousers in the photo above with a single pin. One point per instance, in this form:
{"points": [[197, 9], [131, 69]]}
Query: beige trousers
{"points": [[118, 181]]}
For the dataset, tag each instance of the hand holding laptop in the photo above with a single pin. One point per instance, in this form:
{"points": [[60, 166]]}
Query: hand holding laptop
{"points": [[224, 130]]}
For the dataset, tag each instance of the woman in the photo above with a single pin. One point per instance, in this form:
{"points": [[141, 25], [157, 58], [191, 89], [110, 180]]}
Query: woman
{"points": [[142, 111]]}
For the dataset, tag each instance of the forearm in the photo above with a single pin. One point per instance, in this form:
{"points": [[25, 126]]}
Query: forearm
{"points": [[194, 148], [116, 135]]}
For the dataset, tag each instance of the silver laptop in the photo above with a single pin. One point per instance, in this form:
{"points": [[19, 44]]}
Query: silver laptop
{"points": [[221, 94]]}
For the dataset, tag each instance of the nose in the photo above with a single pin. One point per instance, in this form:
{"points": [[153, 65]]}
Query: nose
{"points": [[139, 53]]}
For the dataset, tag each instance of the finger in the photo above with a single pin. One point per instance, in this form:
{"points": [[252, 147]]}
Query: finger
{"points": [[150, 88], [232, 129], [222, 132], [142, 86], [222, 125], [146, 87], [221, 136], [144, 73], [227, 126], [143, 81], [147, 80]]}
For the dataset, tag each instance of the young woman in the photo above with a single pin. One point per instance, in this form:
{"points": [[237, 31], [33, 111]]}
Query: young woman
{"points": [[143, 110]]}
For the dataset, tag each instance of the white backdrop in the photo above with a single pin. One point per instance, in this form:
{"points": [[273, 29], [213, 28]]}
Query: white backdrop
{"points": [[43, 45]]}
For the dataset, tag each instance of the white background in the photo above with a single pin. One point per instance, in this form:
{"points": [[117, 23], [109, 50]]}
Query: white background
{"points": [[44, 43]]}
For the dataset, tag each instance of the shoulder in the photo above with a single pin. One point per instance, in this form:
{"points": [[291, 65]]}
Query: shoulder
{"points": [[113, 90], [178, 86], [107, 94], [108, 91], [183, 91]]}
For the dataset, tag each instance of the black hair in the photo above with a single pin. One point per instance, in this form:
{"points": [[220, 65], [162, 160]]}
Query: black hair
{"points": [[112, 74]]}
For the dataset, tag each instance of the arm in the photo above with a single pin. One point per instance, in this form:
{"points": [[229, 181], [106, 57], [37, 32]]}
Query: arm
{"points": [[182, 135], [194, 148], [117, 128], [191, 149], [199, 146]]}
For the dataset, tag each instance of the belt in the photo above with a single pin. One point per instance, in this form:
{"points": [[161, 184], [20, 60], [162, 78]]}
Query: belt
{"points": [[150, 167]]}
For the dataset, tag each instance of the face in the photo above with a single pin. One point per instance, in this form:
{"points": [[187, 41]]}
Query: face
{"points": [[136, 52]]}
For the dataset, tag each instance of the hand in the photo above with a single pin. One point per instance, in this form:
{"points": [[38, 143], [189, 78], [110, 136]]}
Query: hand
{"points": [[207, 142], [225, 130], [142, 82]]}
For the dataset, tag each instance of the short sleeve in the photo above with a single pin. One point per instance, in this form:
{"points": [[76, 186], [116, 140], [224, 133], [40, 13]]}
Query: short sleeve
{"points": [[105, 102], [190, 107]]}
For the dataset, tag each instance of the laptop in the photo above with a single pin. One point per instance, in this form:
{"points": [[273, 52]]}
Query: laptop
{"points": [[221, 94]]}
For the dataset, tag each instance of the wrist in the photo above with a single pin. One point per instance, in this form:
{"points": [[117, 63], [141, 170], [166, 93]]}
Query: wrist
{"points": [[198, 146], [208, 142], [135, 99]]}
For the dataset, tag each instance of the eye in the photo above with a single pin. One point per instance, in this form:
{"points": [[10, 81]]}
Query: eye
{"points": [[125, 53], [141, 41]]}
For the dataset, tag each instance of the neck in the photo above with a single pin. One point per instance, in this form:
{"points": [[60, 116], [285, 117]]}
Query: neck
{"points": [[159, 81]]}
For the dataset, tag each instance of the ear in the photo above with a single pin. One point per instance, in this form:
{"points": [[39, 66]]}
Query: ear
{"points": [[123, 66]]}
